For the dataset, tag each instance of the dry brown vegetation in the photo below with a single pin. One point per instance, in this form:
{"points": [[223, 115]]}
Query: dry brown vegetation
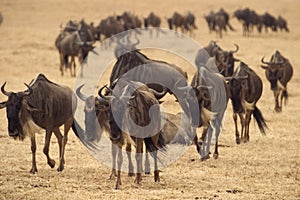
{"points": [[265, 168]]}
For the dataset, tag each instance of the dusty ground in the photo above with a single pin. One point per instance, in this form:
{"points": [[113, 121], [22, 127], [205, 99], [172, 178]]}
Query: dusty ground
{"points": [[265, 168]]}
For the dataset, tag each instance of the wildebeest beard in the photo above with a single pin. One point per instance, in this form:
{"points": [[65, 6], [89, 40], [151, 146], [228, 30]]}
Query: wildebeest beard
{"points": [[115, 128], [272, 76], [20, 123]]}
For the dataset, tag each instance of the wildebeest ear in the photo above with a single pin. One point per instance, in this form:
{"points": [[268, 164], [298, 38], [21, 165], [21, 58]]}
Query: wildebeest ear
{"points": [[264, 67], [3, 104]]}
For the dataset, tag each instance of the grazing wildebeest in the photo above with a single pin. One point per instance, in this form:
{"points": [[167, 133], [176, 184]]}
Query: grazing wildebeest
{"points": [[130, 21], [76, 43], [45, 105], [109, 27], [279, 72], [282, 24], [176, 21], [138, 99], [212, 95], [245, 90], [158, 75]]}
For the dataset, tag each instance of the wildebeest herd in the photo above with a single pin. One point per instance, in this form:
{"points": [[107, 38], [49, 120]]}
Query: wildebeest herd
{"points": [[47, 105]]}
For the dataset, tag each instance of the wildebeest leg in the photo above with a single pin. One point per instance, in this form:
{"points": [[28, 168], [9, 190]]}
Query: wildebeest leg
{"points": [[276, 95], [206, 142], [130, 165], [237, 134], [114, 156], [120, 161], [72, 66], [247, 125], [156, 171], [50, 161], [218, 130], [242, 125], [139, 160], [61, 68], [147, 164], [198, 146], [67, 127], [59, 140], [33, 150], [280, 99]]}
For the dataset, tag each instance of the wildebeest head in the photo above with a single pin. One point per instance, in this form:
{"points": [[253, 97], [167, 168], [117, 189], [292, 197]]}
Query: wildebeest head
{"points": [[272, 68], [125, 47], [238, 85], [119, 105], [95, 111], [15, 105]]}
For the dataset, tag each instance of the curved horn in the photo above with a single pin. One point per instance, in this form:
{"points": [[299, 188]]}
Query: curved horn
{"points": [[137, 42], [242, 77], [26, 93], [183, 88], [107, 98], [3, 90], [264, 62], [236, 50], [80, 95], [204, 87], [158, 94]]}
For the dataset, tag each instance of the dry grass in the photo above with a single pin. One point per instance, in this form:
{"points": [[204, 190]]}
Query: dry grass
{"points": [[265, 168]]}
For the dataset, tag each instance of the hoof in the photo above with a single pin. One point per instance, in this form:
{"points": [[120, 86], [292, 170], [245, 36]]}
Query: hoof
{"points": [[51, 163], [156, 176], [33, 170], [238, 141], [130, 174], [60, 168], [216, 156], [205, 158]]}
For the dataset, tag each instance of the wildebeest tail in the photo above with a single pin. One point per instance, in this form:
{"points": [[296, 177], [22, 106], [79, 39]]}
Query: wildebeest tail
{"points": [[230, 27], [151, 147], [285, 96], [76, 128], [260, 120], [66, 61]]}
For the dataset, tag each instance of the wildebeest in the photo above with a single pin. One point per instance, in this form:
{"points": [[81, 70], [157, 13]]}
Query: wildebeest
{"points": [[176, 21], [269, 21], [45, 105], [158, 75], [213, 53], [72, 44], [109, 27], [218, 21], [153, 21], [212, 95], [190, 22], [129, 20], [282, 24], [245, 90], [96, 110], [279, 72], [138, 99]]}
